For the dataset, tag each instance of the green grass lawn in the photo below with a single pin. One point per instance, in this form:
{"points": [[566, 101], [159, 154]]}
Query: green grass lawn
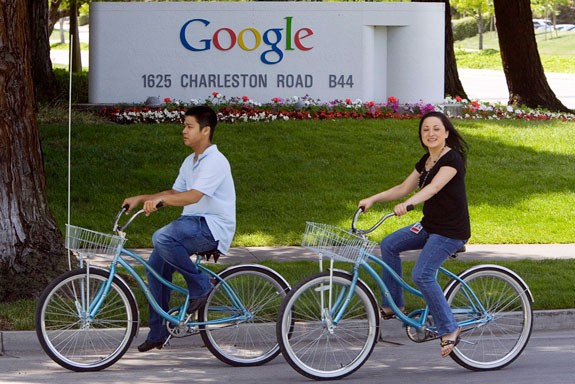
{"points": [[557, 51], [286, 173]]}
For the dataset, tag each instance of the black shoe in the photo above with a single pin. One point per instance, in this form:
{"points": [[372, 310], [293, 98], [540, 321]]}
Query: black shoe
{"points": [[147, 345], [195, 304]]}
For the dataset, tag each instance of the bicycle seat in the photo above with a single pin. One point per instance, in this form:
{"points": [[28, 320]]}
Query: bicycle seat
{"points": [[460, 250], [208, 255]]}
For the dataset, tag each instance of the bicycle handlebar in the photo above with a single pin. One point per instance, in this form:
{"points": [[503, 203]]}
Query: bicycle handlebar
{"points": [[366, 231], [120, 228]]}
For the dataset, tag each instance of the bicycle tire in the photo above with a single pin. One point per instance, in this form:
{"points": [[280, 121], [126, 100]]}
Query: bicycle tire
{"points": [[246, 343], [503, 337], [75, 342], [306, 340]]}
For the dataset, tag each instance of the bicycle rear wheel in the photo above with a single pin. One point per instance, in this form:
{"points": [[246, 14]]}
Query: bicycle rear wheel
{"points": [[69, 336], [506, 326], [311, 343], [251, 342]]}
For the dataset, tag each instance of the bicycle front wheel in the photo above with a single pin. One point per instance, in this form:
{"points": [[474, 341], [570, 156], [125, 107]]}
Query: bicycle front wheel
{"points": [[310, 341], [498, 335], [67, 333], [252, 341]]}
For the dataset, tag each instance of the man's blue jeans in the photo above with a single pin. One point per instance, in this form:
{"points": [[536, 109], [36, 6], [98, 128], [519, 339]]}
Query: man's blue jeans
{"points": [[173, 245], [435, 249]]}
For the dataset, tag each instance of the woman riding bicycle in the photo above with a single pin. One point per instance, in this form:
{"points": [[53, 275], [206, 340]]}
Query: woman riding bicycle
{"points": [[439, 178]]}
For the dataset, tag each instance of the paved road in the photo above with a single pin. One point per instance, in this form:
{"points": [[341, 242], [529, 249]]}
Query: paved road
{"points": [[547, 359], [491, 86]]}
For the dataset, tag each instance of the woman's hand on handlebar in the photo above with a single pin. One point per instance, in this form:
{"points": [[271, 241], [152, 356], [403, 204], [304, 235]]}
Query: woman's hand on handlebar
{"points": [[402, 208], [365, 204]]}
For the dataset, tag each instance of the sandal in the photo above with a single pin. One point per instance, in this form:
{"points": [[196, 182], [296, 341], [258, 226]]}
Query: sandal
{"points": [[389, 315], [450, 344]]}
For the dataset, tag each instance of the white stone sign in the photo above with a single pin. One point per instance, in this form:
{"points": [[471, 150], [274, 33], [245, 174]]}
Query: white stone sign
{"points": [[263, 50]]}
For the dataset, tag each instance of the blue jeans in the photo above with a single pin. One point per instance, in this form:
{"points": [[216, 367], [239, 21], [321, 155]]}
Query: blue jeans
{"points": [[173, 245], [435, 249]]}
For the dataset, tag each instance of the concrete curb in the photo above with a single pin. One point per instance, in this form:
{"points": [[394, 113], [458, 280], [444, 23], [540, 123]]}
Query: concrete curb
{"points": [[15, 342]]}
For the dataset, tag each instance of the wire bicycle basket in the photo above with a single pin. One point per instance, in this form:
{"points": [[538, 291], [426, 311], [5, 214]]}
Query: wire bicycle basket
{"points": [[87, 243], [336, 243]]}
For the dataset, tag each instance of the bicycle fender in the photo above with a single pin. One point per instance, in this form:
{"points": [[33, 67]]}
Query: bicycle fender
{"points": [[257, 266], [496, 267]]}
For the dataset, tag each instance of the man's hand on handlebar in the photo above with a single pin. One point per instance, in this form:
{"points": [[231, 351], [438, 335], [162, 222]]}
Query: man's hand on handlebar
{"points": [[130, 203], [152, 205]]}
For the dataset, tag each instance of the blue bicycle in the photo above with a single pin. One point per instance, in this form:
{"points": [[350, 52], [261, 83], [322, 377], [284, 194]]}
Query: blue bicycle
{"points": [[87, 318], [329, 323]]}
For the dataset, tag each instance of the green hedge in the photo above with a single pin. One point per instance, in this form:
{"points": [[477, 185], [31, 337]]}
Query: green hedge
{"points": [[79, 86], [464, 28]]}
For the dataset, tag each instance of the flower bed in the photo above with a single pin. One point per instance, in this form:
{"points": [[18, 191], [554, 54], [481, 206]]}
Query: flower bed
{"points": [[298, 108]]}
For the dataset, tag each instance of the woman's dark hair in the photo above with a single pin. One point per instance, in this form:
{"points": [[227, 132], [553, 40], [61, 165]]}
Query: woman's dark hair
{"points": [[454, 139], [205, 116]]}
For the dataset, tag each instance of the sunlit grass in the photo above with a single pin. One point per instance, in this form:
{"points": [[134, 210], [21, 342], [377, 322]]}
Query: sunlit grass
{"points": [[287, 173]]}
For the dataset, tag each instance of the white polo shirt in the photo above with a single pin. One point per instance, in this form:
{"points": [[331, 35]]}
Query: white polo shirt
{"points": [[212, 176]]}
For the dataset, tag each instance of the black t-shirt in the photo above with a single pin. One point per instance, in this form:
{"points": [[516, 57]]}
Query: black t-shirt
{"points": [[446, 213]]}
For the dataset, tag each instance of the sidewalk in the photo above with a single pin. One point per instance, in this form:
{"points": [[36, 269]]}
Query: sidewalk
{"points": [[483, 252]]}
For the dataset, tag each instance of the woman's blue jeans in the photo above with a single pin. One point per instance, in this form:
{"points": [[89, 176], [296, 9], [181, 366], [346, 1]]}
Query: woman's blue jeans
{"points": [[173, 245], [435, 249]]}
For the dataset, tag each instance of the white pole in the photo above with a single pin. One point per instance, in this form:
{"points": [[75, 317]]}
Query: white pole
{"points": [[70, 135]]}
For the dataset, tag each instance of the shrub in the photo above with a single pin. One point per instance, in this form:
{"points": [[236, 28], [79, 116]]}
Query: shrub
{"points": [[79, 86]]}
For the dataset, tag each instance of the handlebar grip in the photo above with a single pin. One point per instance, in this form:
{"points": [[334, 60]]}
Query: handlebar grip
{"points": [[410, 207], [160, 204]]}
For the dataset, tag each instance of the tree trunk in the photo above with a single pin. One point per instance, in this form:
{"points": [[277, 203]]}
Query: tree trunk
{"points": [[31, 250], [54, 14], [76, 66], [452, 84], [44, 80], [480, 27], [526, 80]]}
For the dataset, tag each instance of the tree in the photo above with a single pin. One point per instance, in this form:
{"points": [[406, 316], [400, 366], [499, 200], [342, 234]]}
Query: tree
{"points": [[43, 76], [477, 9], [31, 246], [452, 83], [526, 80]]}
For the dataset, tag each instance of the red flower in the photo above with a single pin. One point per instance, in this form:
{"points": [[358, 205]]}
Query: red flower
{"points": [[245, 98], [167, 100], [348, 101], [392, 100], [215, 94], [458, 98]]}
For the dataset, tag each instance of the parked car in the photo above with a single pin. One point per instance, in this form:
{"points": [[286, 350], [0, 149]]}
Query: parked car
{"points": [[542, 23], [565, 27]]}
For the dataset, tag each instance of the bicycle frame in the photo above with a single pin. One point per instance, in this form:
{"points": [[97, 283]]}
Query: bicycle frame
{"points": [[339, 305], [181, 318]]}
